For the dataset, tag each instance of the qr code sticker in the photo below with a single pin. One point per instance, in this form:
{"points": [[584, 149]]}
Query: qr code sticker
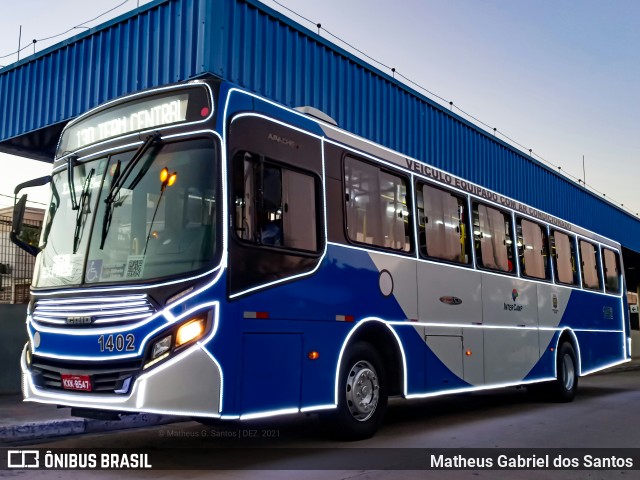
{"points": [[135, 265]]}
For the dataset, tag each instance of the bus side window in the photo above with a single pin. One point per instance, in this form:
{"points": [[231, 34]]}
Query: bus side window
{"points": [[590, 264], [376, 206], [532, 249], [564, 258], [274, 205], [199, 207], [492, 234], [443, 234], [611, 270]]}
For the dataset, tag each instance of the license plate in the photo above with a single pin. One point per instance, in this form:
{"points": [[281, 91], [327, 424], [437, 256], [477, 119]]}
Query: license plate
{"points": [[76, 382]]}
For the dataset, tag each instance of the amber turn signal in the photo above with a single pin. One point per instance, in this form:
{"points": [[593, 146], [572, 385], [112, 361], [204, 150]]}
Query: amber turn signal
{"points": [[190, 331]]}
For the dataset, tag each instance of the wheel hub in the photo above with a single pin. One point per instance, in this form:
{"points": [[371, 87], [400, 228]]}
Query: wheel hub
{"points": [[363, 390]]}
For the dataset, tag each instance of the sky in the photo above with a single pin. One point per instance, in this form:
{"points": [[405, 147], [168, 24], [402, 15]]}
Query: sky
{"points": [[557, 76]]}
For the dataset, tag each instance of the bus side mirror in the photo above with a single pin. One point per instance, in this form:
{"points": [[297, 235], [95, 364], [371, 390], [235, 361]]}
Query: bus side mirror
{"points": [[25, 236], [18, 215], [18, 232]]}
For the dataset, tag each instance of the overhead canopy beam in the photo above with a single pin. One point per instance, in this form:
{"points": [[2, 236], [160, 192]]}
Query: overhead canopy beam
{"points": [[38, 144]]}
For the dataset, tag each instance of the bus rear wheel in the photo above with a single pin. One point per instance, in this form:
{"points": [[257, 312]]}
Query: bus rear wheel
{"points": [[362, 394], [566, 384]]}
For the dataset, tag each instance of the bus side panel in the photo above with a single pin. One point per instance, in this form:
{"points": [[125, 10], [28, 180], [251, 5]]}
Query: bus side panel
{"points": [[598, 322], [449, 299], [600, 349], [271, 372], [319, 376], [396, 278], [594, 311], [399, 275], [346, 284], [444, 350], [596, 319], [552, 305], [510, 306], [545, 368]]}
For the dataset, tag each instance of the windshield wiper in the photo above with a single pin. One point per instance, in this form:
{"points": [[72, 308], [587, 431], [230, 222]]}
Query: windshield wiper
{"points": [[71, 164], [120, 178], [53, 208], [79, 216]]}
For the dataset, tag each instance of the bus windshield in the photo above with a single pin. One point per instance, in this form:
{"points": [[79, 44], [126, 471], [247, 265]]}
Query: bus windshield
{"points": [[161, 221]]}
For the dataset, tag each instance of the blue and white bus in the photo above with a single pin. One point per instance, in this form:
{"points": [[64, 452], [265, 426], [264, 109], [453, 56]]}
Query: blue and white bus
{"points": [[210, 253]]}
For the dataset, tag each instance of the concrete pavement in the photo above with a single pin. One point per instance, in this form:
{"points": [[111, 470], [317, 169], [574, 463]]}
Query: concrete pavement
{"points": [[26, 421]]}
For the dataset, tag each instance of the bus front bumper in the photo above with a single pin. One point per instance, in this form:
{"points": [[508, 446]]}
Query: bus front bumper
{"points": [[188, 384]]}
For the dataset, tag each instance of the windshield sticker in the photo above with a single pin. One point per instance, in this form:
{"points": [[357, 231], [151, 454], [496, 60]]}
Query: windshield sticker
{"points": [[97, 270], [64, 266], [114, 271], [94, 270], [135, 266]]}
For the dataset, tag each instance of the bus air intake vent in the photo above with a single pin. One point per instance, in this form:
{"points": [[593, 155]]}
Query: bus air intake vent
{"points": [[88, 311], [116, 377]]}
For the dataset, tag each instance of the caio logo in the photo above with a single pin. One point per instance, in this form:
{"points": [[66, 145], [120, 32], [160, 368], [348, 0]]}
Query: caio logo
{"points": [[79, 320]]}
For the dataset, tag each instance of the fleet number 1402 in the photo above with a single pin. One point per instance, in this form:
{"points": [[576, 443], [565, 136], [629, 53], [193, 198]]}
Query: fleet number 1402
{"points": [[118, 343]]}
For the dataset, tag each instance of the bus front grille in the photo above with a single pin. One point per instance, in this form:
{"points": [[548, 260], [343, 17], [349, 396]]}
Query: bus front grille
{"points": [[88, 311]]}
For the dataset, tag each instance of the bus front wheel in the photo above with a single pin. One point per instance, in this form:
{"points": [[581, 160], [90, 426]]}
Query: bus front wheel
{"points": [[362, 393]]}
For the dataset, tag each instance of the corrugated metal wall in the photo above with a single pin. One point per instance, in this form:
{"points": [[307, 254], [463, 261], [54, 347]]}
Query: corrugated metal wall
{"points": [[257, 48], [159, 45], [294, 66]]}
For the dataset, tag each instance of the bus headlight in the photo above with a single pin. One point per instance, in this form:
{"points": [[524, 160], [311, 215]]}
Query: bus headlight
{"points": [[27, 354], [161, 346], [190, 331], [159, 351], [178, 338]]}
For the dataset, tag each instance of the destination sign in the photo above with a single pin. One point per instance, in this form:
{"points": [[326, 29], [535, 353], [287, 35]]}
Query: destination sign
{"points": [[141, 114]]}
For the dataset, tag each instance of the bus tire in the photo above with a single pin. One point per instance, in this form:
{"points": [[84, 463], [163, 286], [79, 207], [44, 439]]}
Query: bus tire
{"points": [[566, 384], [362, 394]]}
